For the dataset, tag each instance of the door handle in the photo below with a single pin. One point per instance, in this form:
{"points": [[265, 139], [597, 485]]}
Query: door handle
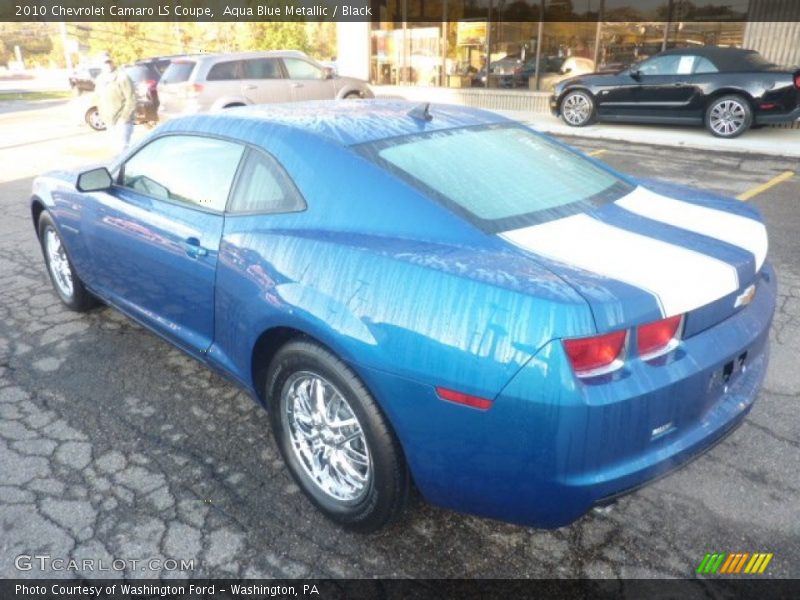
{"points": [[250, 87], [193, 248], [680, 83], [297, 85]]}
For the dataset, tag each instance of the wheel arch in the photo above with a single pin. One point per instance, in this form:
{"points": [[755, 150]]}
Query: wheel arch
{"points": [[266, 346], [228, 101], [277, 335], [730, 91], [348, 91], [37, 208], [576, 88]]}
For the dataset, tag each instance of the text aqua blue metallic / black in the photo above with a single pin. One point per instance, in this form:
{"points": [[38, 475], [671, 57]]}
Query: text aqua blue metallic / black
{"points": [[414, 296]]}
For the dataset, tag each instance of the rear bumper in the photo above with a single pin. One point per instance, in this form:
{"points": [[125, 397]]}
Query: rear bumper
{"points": [[765, 118], [551, 447]]}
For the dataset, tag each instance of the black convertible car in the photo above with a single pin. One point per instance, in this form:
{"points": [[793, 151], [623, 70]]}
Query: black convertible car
{"points": [[727, 89]]}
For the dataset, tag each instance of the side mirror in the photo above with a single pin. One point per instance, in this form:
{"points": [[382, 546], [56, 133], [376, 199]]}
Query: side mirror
{"points": [[635, 73], [95, 180], [565, 71], [329, 72]]}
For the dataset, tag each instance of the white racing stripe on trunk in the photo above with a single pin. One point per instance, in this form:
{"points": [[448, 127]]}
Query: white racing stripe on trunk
{"points": [[718, 224], [680, 279]]}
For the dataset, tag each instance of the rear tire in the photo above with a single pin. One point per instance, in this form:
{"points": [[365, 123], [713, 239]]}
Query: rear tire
{"points": [[577, 108], [728, 116], [65, 280], [94, 120], [335, 441]]}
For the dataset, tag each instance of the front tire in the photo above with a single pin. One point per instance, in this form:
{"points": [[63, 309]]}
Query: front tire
{"points": [[337, 444], [577, 108], [728, 116], [66, 283]]}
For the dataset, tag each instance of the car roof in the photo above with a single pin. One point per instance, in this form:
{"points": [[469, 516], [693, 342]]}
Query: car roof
{"points": [[240, 55], [725, 59], [346, 122]]}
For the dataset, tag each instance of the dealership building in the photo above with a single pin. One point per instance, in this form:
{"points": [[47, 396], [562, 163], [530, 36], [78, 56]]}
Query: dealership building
{"points": [[437, 49]]}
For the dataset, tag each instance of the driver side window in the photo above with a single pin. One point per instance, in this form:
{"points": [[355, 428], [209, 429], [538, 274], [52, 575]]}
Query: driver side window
{"points": [[301, 69], [188, 169], [660, 65]]}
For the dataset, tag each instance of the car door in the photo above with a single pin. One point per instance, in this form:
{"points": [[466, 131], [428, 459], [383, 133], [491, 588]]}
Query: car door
{"points": [[665, 87], [154, 236], [264, 81], [308, 81]]}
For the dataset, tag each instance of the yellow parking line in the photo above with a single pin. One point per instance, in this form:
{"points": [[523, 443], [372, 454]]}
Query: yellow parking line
{"points": [[597, 152], [744, 197]]}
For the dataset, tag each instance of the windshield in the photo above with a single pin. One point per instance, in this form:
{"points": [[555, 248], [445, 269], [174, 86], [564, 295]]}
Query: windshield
{"points": [[500, 177], [178, 72]]}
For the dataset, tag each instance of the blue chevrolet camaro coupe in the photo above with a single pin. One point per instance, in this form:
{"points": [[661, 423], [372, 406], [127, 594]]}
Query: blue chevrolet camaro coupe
{"points": [[435, 295]]}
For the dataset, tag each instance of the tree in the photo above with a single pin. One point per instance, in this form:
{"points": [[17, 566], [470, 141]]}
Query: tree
{"points": [[272, 36]]}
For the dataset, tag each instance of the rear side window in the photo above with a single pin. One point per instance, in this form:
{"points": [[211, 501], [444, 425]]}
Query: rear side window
{"points": [[704, 65], [523, 178], [184, 168], [178, 71], [225, 71], [264, 186], [262, 68]]}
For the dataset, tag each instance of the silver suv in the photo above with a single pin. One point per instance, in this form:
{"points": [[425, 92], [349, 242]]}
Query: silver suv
{"points": [[202, 82]]}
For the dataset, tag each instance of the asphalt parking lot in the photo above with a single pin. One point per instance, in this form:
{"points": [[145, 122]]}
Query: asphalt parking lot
{"points": [[114, 445]]}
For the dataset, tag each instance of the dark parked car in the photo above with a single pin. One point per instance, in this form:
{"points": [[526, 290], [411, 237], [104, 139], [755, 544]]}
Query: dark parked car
{"points": [[82, 79], [145, 79], [726, 89]]}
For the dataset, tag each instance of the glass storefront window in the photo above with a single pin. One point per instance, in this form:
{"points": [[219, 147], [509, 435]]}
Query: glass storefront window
{"points": [[688, 34], [453, 51], [622, 44]]}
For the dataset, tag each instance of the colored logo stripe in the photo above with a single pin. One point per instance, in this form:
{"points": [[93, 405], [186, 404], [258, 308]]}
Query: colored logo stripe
{"points": [[724, 563], [758, 563]]}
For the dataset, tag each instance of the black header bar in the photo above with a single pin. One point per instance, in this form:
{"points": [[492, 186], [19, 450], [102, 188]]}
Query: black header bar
{"points": [[398, 11]]}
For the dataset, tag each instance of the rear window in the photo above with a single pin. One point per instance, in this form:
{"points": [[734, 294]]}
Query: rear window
{"points": [[138, 73], [178, 71], [500, 177]]}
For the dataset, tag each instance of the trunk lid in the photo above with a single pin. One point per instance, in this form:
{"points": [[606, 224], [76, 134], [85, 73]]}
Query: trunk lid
{"points": [[659, 251]]}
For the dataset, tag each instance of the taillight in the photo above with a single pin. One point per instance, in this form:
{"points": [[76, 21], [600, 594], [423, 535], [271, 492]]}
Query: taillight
{"points": [[192, 90], [596, 355], [462, 398], [658, 337], [797, 80]]}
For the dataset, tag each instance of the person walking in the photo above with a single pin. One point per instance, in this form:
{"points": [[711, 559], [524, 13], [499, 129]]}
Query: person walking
{"points": [[116, 103]]}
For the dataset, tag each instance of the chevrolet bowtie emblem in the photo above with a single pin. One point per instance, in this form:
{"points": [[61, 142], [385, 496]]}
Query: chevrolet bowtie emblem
{"points": [[746, 297]]}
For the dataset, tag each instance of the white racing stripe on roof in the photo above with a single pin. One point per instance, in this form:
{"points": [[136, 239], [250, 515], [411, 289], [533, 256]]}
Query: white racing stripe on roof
{"points": [[718, 224], [681, 279]]}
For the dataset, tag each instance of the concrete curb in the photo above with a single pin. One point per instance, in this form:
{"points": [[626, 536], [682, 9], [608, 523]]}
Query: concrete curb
{"points": [[769, 141]]}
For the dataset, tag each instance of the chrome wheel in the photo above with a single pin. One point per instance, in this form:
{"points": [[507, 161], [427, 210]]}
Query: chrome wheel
{"points": [[727, 117], [326, 437], [577, 109], [58, 263]]}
